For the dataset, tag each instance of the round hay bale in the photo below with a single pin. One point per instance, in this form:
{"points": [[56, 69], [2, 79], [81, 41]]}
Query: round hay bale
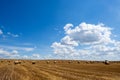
{"points": [[55, 62], [48, 62], [33, 62], [78, 62], [69, 62], [87, 62], [2, 61], [107, 62], [91, 62], [16, 62], [20, 62]]}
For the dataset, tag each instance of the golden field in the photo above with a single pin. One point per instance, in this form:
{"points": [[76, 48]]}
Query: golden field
{"points": [[58, 70]]}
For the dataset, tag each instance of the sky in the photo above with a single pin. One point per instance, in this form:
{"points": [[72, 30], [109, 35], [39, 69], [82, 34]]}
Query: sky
{"points": [[60, 29]]}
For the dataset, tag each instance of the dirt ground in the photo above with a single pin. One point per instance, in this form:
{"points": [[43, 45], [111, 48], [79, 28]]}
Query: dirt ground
{"points": [[58, 70]]}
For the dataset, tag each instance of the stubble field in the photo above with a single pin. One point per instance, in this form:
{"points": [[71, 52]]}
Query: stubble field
{"points": [[58, 70]]}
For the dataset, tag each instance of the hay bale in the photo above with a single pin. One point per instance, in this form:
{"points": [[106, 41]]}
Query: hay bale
{"points": [[69, 62], [107, 62], [55, 62], [87, 62], [78, 62], [1, 61], [48, 62], [16, 62], [8, 61], [91, 62], [20, 62], [33, 62]]}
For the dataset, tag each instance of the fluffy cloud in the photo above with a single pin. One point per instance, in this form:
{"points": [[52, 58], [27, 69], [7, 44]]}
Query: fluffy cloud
{"points": [[88, 33], [87, 41], [67, 40], [62, 49], [4, 52], [7, 53], [15, 52]]}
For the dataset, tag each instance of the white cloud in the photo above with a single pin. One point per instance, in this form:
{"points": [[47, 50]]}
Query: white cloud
{"points": [[15, 52], [7, 53], [13, 35], [1, 32], [67, 40], [18, 48], [4, 52], [28, 49], [88, 41], [25, 57], [89, 33], [68, 27], [36, 55], [62, 49], [33, 56]]}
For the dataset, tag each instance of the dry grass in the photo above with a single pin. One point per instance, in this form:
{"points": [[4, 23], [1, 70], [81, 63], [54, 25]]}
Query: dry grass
{"points": [[59, 70]]}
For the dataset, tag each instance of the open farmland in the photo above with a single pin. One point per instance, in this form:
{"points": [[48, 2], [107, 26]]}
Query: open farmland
{"points": [[58, 70]]}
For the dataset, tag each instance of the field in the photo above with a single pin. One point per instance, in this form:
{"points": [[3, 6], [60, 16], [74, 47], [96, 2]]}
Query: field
{"points": [[58, 70]]}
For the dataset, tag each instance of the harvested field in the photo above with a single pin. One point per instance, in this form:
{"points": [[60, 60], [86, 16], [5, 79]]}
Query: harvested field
{"points": [[59, 70]]}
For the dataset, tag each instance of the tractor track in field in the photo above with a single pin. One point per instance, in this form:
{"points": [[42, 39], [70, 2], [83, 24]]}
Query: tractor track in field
{"points": [[100, 73], [78, 72], [84, 72], [68, 73], [40, 74], [6, 73]]}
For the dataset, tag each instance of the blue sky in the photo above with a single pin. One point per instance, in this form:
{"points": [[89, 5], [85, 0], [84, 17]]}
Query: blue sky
{"points": [[30, 28]]}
